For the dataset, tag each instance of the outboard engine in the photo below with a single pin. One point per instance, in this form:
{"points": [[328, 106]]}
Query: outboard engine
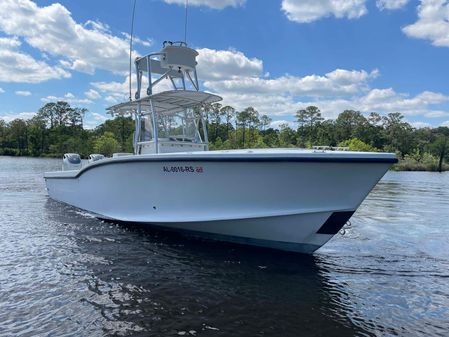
{"points": [[71, 161], [94, 157]]}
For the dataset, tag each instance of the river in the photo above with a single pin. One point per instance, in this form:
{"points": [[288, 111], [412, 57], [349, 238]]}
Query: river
{"points": [[63, 272]]}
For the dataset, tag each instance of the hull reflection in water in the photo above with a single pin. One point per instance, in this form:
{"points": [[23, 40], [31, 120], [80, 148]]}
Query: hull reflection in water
{"points": [[146, 282]]}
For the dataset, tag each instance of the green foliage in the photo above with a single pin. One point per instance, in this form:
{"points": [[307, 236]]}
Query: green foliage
{"points": [[122, 128], [440, 148], [287, 136], [424, 162], [57, 128], [106, 144], [308, 119], [61, 114], [355, 144]]}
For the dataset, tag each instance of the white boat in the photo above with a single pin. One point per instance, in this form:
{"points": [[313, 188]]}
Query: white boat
{"points": [[289, 199]]}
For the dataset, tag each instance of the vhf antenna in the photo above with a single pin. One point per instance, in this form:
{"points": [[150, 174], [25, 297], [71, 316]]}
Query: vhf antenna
{"points": [[185, 23], [131, 49]]}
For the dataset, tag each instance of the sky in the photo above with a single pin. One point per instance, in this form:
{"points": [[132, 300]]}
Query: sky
{"points": [[275, 55]]}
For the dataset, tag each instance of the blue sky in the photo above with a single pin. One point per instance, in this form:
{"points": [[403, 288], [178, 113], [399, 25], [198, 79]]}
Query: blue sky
{"points": [[276, 55]]}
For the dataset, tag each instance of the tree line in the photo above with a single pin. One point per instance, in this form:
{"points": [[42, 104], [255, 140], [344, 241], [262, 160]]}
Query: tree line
{"points": [[57, 128]]}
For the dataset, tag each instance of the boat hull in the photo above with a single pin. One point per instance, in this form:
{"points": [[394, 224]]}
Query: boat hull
{"points": [[286, 203]]}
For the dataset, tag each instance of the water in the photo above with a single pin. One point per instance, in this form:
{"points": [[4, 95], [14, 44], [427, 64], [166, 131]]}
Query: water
{"points": [[64, 273]]}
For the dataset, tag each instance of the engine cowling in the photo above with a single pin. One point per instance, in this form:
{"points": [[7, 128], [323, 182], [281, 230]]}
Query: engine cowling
{"points": [[71, 161], [94, 157]]}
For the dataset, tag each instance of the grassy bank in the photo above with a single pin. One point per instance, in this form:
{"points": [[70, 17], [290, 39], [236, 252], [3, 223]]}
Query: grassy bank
{"points": [[426, 162]]}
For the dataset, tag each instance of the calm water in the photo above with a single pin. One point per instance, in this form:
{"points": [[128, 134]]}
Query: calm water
{"points": [[63, 272]]}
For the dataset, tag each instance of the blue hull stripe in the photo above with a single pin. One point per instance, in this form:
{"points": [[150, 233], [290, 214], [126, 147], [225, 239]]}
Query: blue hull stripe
{"points": [[236, 160]]}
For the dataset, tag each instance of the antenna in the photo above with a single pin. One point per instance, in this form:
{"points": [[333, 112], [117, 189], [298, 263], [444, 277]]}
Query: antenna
{"points": [[185, 23], [131, 49]]}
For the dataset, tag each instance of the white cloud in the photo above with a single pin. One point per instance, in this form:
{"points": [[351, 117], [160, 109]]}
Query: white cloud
{"points": [[52, 30], [385, 101], [243, 83], [68, 97], [391, 4], [215, 4], [446, 124], [138, 40], [225, 64], [1, 91], [83, 67], [9, 117], [420, 125], [333, 92], [111, 99], [278, 124], [120, 88], [436, 114], [93, 119], [92, 94], [389, 100], [9, 42], [116, 92], [305, 11], [16, 66], [23, 93], [432, 24], [379, 100], [98, 117], [336, 83], [98, 26]]}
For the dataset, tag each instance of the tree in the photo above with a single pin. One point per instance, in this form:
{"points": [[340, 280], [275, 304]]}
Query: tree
{"points": [[3, 132], [36, 135], [106, 144], [374, 131], [351, 124], [307, 118], [18, 134], [287, 136], [122, 127], [355, 144], [325, 134], [248, 119], [440, 146], [228, 113], [254, 123], [75, 116], [48, 114], [61, 114], [398, 133], [58, 128], [215, 115], [243, 121], [264, 122]]}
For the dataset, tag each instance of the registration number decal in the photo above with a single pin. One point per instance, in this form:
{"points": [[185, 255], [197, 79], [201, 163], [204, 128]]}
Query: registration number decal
{"points": [[183, 169]]}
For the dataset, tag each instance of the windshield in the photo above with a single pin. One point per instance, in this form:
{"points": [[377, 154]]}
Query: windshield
{"points": [[181, 126]]}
